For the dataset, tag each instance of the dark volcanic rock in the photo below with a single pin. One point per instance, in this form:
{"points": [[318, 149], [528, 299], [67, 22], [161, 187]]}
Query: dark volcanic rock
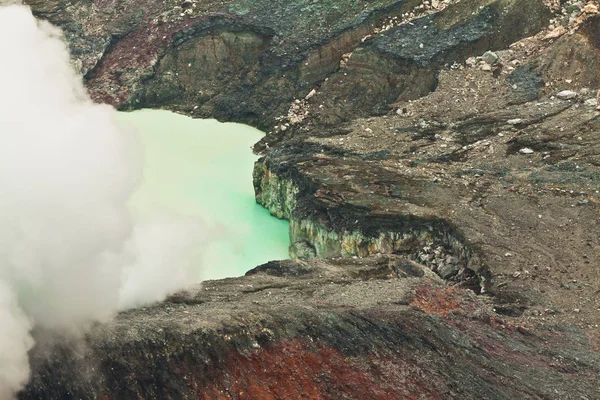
{"points": [[453, 190], [526, 83], [250, 64], [233, 60], [347, 329], [246, 61], [403, 63]]}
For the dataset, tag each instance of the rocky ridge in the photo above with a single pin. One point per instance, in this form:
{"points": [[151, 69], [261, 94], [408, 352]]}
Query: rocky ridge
{"points": [[381, 327]]}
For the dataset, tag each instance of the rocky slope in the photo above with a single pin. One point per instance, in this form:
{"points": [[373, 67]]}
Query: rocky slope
{"points": [[375, 328], [452, 201], [493, 169]]}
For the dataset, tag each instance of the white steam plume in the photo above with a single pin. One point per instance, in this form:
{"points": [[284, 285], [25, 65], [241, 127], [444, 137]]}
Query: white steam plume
{"points": [[69, 252]]}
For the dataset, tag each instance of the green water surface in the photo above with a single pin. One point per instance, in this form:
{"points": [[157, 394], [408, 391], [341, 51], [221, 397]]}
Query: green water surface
{"points": [[203, 168]]}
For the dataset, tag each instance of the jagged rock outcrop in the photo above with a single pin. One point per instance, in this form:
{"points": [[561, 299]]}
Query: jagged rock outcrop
{"points": [[508, 180], [334, 217]]}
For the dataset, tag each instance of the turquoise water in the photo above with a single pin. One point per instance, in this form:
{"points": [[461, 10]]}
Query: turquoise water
{"points": [[203, 169]]}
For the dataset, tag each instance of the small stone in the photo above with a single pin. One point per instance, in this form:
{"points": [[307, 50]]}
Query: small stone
{"points": [[425, 257], [591, 8], [516, 121], [449, 271], [566, 95], [556, 33], [526, 150], [591, 103], [310, 94], [486, 67], [471, 61], [490, 57], [451, 259]]}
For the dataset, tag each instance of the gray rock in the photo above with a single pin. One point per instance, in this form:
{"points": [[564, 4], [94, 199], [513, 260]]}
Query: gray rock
{"points": [[526, 83], [567, 95], [591, 103], [450, 259], [526, 150], [449, 271], [490, 57], [382, 70]]}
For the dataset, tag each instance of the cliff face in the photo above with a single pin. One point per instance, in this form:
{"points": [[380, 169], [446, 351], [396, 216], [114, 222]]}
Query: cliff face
{"points": [[418, 176], [233, 60], [246, 61]]}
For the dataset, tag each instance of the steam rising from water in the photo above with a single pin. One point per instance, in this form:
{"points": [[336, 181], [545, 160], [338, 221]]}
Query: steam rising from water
{"points": [[69, 253]]}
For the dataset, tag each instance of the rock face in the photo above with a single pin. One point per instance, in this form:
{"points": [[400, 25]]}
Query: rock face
{"points": [[246, 61], [337, 220], [232, 60], [403, 63], [443, 203], [575, 57]]}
